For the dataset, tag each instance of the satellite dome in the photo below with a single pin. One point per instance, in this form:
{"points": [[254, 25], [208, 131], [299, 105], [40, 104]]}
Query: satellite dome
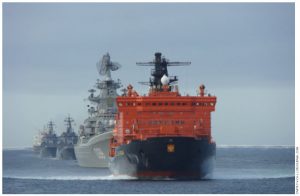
{"points": [[165, 80]]}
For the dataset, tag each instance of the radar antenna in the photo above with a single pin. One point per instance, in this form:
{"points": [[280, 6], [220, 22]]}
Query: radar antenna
{"points": [[104, 66], [160, 69]]}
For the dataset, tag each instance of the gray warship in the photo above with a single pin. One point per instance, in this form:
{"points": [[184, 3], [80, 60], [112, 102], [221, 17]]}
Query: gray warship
{"points": [[96, 131], [48, 142], [66, 142]]}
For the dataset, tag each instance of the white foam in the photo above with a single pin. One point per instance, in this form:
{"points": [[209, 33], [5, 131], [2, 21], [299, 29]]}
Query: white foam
{"points": [[213, 176], [109, 177]]}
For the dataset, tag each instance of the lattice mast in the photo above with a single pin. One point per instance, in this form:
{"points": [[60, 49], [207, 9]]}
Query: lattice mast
{"points": [[160, 69]]}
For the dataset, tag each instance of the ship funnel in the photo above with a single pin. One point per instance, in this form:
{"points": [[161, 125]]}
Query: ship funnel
{"points": [[157, 57], [165, 80], [202, 88]]}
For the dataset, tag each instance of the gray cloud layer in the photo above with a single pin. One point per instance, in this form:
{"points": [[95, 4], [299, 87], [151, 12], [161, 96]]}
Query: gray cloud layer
{"points": [[244, 53]]}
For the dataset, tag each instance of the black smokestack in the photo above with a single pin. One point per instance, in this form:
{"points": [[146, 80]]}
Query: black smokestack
{"points": [[157, 57]]}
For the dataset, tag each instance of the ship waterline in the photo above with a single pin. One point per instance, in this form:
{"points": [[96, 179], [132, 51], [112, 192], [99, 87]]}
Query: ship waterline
{"points": [[66, 153], [171, 157]]}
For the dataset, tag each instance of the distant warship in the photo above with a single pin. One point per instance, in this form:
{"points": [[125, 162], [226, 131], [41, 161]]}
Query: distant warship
{"points": [[48, 142], [96, 132], [37, 141], [66, 142]]}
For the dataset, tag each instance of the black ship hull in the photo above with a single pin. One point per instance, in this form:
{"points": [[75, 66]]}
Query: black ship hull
{"points": [[66, 153], [165, 157]]}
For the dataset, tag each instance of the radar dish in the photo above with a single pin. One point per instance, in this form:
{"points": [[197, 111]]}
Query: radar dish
{"points": [[104, 66], [115, 66], [98, 66]]}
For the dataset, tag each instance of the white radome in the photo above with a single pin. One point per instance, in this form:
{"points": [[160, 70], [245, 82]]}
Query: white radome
{"points": [[165, 80]]}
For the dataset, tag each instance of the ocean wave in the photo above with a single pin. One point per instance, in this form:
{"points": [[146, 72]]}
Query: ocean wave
{"points": [[248, 177], [124, 177], [17, 148], [218, 146], [255, 146], [109, 177]]}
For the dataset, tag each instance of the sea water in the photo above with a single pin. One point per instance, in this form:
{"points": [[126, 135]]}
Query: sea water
{"points": [[239, 169]]}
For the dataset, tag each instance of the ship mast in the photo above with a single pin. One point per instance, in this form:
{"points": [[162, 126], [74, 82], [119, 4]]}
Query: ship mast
{"points": [[50, 127], [160, 69], [69, 121]]}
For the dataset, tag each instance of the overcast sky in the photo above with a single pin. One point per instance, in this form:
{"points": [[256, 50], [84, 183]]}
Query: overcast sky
{"points": [[243, 53]]}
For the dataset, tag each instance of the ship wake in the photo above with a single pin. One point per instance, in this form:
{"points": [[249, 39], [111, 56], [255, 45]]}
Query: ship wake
{"points": [[108, 177]]}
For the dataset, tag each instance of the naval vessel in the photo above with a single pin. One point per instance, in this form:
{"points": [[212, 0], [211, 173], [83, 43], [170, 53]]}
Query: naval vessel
{"points": [[96, 131], [49, 142], [66, 142], [164, 134]]}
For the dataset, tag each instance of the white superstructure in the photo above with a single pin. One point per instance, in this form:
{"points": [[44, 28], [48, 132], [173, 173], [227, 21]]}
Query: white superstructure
{"points": [[94, 135]]}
